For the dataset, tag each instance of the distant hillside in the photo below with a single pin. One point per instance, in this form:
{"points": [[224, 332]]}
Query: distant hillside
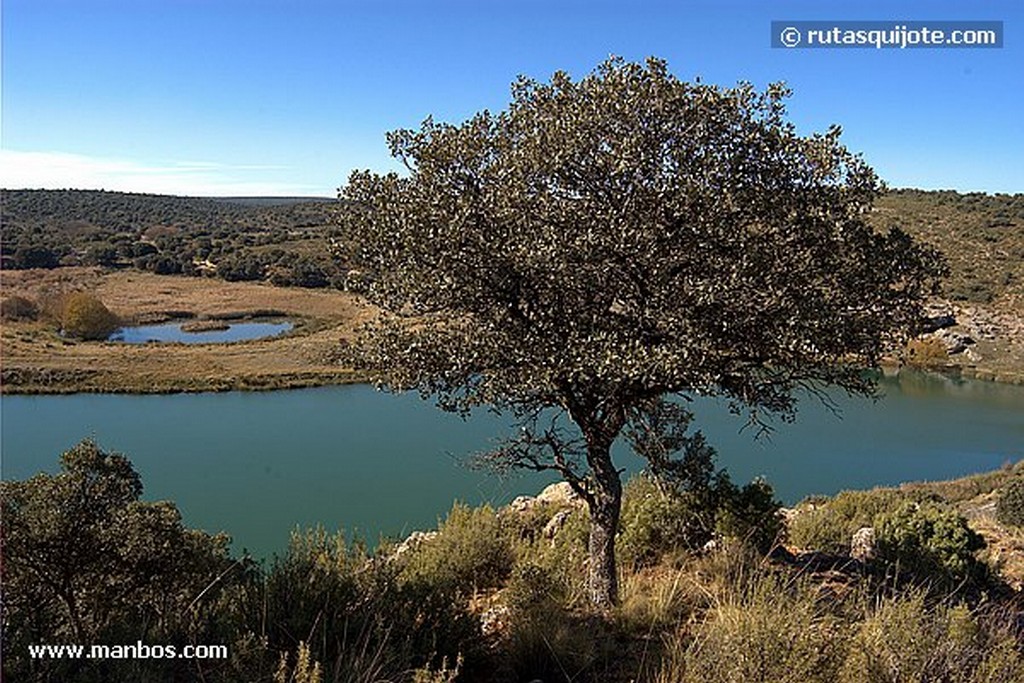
{"points": [[284, 240], [295, 240], [981, 235], [272, 201]]}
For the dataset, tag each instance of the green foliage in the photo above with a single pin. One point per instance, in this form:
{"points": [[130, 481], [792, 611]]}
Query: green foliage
{"points": [[469, 553], [1010, 505], [751, 515], [764, 627], [530, 588], [86, 561], [240, 239], [929, 541], [661, 517], [829, 526], [86, 317], [35, 256], [361, 619], [963, 226], [591, 249], [18, 308], [556, 564]]}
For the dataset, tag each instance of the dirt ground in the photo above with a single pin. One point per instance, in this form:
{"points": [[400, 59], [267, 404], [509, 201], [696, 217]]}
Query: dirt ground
{"points": [[35, 359]]}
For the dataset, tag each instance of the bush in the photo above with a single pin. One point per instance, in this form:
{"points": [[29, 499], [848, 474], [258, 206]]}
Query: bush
{"points": [[1010, 506], [751, 515], [828, 527], [531, 589], [85, 560], [86, 317], [658, 518], [469, 553], [361, 622], [931, 542], [928, 352], [18, 308]]}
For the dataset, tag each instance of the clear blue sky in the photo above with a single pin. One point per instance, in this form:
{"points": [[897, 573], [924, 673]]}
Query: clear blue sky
{"points": [[228, 97]]}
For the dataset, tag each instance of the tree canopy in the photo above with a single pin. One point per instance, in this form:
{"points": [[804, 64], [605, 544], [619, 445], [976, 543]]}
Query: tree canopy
{"points": [[607, 242]]}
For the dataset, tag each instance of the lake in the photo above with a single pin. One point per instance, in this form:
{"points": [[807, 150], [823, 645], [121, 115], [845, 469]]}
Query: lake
{"points": [[259, 464], [172, 332]]}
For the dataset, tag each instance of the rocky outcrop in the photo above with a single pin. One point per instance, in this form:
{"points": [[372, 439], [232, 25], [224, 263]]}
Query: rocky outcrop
{"points": [[555, 495], [862, 545], [413, 540], [955, 342]]}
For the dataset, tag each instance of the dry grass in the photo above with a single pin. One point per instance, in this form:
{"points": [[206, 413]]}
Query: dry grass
{"points": [[37, 359]]}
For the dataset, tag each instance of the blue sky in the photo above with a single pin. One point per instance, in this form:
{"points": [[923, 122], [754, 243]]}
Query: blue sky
{"points": [[258, 97]]}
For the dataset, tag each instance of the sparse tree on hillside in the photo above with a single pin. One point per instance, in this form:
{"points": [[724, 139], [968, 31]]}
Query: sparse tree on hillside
{"points": [[606, 244]]}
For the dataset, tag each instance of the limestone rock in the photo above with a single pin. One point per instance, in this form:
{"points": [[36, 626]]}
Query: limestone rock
{"points": [[556, 523], [414, 539], [560, 494], [494, 619], [862, 546], [522, 503]]}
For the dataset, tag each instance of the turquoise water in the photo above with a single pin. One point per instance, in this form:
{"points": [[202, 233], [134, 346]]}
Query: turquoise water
{"points": [[259, 464], [172, 332]]}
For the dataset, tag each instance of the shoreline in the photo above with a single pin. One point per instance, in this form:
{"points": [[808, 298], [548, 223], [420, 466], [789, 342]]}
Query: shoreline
{"points": [[314, 379], [35, 360]]}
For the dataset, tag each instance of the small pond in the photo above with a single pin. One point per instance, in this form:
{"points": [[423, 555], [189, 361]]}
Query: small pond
{"points": [[173, 332]]}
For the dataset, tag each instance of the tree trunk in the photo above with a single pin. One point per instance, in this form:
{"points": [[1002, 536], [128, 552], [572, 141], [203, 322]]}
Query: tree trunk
{"points": [[606, 503]]}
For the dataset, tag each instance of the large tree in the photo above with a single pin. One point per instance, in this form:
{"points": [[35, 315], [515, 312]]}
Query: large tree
{"points": [[605, 244]]}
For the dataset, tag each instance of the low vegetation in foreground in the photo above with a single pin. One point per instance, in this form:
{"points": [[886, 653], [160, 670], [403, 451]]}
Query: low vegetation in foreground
{"points": [[717, 584]]}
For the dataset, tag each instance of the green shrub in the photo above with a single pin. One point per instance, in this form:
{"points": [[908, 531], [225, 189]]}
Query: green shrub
{"points": [[929, 541], [828, 527], [751, 515], [86, 560], [85, 317], [470, 552], [530, 589], [658, 517], [562, 556], [1010, 506]]}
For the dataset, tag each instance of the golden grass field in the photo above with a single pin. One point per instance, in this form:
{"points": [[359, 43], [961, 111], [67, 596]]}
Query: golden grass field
{"points": [[36, 359]]}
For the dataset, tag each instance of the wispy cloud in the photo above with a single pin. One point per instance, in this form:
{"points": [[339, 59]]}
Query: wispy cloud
{"points": [[60, 170]]}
